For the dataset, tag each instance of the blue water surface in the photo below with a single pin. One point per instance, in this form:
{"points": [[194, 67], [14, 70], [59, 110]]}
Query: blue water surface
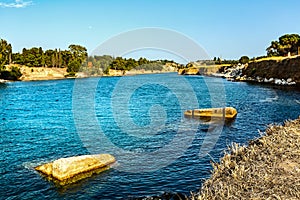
{"points": [[137, 114]]}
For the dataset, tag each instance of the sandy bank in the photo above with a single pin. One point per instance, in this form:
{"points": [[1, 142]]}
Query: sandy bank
{"points": [[42, 73]]}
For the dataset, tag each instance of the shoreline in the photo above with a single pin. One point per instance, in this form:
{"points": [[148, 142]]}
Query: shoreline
{"points": [[276, 71], [47, 74], [3, 81], [233, 165], [268, 167], [82, 77]]}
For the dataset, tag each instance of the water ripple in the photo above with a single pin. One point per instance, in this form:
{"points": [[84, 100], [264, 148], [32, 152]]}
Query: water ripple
{"points": [[37, 126]]}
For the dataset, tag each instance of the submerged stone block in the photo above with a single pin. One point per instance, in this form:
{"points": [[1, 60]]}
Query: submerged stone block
{"points": [[65, 169]]}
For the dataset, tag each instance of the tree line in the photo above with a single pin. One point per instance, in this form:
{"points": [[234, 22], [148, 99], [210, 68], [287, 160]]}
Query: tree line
{"points": [[6, 58], [5, 53], [285, 45], [96, 65], [72, 59], [120, 63], [37, 57], [75, 59]]}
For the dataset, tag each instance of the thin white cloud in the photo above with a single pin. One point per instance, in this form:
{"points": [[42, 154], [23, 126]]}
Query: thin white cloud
{"points": [[16, 4]]}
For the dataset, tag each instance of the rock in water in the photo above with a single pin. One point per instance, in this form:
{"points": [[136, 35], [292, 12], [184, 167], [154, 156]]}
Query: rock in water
{"points": [[76, 168], [45, 169]]}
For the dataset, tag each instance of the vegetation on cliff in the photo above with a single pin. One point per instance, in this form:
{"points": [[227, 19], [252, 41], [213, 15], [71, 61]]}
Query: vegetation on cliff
{"points": [[14, 73], [98, 65], [286, 44], [280, 66], [6, 58], [141, 64], [72, 59], [280, 69], [75, 59]]}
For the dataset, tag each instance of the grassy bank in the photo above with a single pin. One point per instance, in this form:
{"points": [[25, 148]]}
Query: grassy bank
{"points": [[276, 58], [269, 168]]}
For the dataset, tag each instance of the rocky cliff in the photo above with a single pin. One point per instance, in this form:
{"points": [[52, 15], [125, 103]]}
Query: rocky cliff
{"points": [[42, 73], [199, 70], [279, 71], [287, 70], [189, 71]]}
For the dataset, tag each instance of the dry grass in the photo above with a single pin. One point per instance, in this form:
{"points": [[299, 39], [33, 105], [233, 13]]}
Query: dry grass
{"points": [[269, 168], [277, 58], [212, 66]]}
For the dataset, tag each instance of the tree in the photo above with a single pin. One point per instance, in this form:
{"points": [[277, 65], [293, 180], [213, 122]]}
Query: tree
{"points": [[14, 74], [287, 43], [59, 57], [18, 58], [131, 64], [244, 59], [5, 53], [78, 52], [66, 58], [33, 57], [73, 66], [219, 61], [273, 49], [143, 61], [49, 58]]}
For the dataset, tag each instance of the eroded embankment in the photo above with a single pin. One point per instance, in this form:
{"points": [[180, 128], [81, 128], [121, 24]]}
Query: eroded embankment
{"points": [[269, 168], [288, 68]]}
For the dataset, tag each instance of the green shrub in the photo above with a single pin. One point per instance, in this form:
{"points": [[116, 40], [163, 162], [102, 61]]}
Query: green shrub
{"points": [[244, 59], [14, 74]]}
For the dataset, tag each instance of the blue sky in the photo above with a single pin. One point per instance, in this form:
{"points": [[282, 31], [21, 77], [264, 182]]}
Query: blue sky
{"points": [[228, 29]]}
